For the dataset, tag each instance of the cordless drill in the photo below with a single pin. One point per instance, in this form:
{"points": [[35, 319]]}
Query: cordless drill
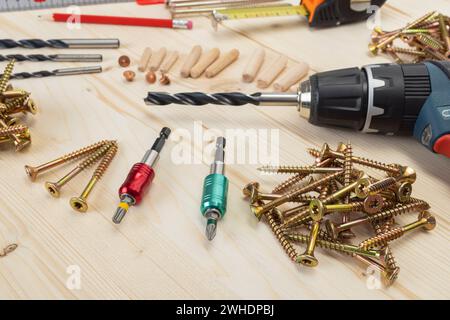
{"points": [[407, 99]]}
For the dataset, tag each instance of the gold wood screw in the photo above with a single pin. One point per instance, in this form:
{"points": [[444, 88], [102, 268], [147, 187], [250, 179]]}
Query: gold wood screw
{"points": [[425, 220], [326, 152], [33, 172], [334, 229], [383, 44], [391, 265], [334, 245], [307, 258], [285, 185], [279, 233], [298, 169], [54, 187], [79, 203], [363, 191], [19, 142], [295, 193], [445, 35], [16, 129], [6, 75]]}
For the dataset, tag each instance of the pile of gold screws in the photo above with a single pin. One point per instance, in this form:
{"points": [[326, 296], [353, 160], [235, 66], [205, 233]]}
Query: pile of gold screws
{"points": [[333, 196], [425, 38], [103, 151], [12, 102]]}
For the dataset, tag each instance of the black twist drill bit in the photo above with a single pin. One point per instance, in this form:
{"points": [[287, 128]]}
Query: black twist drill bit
{"points": [[52, 57], [60, 43], [201, 99], [32, 44]]}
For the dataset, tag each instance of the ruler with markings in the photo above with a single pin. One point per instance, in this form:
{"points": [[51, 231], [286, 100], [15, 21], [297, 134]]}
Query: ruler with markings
{"points": [[19, 5]]}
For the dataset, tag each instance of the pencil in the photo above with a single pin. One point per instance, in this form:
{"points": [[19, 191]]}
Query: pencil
{"points": [[128, 21]]}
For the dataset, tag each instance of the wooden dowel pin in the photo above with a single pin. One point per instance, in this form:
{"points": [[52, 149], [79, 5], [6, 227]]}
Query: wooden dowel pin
{"points": [[291, 77], [254, 65], [223, 62], [144, 59], [269, 74], [205, 61], [191, 60], [169, 61], [156, 59]]}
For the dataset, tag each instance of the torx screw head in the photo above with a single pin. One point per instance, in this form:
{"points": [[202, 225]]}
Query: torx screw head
{"points": [[53, 189], [316, 210], [307, 260], [256, 210], [404, 192], [431, 220], [79, 204], [361, 188], [31, 172], [373, 203], [249, 190]]}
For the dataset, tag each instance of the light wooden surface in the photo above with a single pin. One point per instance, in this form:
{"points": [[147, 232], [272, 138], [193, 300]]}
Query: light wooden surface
{"points": [[160, 250]]}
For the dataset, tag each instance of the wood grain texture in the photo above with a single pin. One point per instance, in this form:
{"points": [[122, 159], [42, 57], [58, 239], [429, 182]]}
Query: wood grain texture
{"points": [[160, 250]]}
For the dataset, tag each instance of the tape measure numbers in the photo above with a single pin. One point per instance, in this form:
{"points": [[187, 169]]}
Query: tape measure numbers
{"points": [[260, 12], [21, 5]]}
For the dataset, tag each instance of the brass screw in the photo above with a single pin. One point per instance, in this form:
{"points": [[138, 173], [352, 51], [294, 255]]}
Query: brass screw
{"points": [[425, 220], [294, 193], [33, 172], [444, 34], [334, 245], [79, 203], [403, 192], [279, 233], [407, 51], [19, 142], [22, 104], [54, 187], [334, 230], [391, 265], [307, 258], [298, 169], [373, 48], [16, 129], [373, 204], [363, 190], [317, 205], [6, 75], [326, 152]]}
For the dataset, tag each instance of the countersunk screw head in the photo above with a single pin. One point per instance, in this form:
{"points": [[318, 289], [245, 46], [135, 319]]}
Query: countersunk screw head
{"points": [[307, 260], [341, 147], [31, 172], [250, 189], [373, 203], [31, 106], [361, 188], [79, 204], [404, 192], [407, 174], [325, 152], [256, 210], [431, 220], [53, 189], [316, 210]]}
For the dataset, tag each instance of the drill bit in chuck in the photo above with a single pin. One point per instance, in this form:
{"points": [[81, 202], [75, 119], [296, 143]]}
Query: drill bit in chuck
{"points": [[227, 98]]}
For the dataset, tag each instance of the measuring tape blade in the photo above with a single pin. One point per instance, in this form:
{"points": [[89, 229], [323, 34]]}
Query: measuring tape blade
{"points": [[260, 12], [21, 5]]}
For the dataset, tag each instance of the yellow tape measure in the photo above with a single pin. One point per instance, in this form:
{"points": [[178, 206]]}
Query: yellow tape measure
{"points": [[259, 12]]}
